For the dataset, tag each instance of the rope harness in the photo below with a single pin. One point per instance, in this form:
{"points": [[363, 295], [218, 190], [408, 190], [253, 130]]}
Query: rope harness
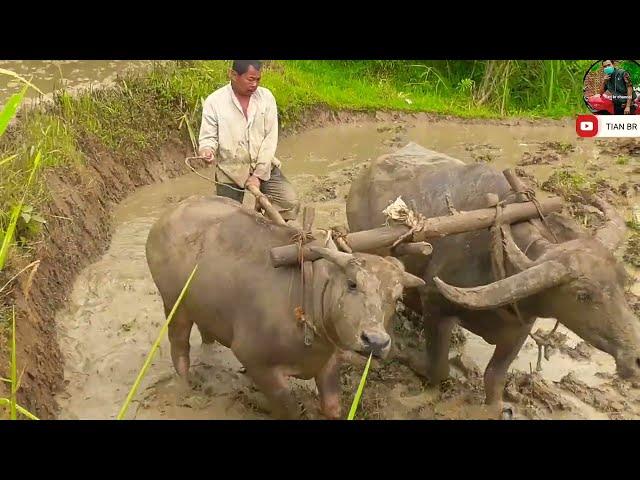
{"points": [[498, 263], [306, 276], [309, 318], [399, 212]]}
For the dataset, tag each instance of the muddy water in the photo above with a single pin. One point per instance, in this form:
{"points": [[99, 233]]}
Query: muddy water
{"points": [[114, 313], [49, 75]]}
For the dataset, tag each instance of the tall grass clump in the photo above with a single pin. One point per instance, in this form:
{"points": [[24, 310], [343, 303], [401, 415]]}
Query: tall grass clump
{"points": [[13, 380]]}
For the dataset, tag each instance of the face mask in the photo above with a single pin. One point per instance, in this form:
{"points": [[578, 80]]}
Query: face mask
{"points": [[608, 70]]}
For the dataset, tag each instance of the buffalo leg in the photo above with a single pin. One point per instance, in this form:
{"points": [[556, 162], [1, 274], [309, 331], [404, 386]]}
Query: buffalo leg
{"points": [[495, 374], [438, 333], [275, 387], [207, 337], [179, 333], [328, 383]]}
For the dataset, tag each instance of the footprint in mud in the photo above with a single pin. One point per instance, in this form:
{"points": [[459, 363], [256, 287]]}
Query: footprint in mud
{"points": [[206, 397], [599, 398], [619, 146], [547, 153], [539, 158]]}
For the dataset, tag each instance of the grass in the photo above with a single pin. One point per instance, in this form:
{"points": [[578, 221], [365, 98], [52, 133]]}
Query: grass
{"points": [[6, 239], [634, 70], [16, 212], [356, 399], [568, 184], [14, 382]]}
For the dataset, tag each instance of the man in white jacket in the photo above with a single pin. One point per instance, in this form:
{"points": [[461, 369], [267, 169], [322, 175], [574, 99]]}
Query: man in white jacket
{"points": [[239, 130]]}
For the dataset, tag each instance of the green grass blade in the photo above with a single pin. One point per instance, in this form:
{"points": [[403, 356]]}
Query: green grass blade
{"points": [[8, 159], [36, 164], [356, 400], [9, 73], [26, 413], [22, 410], [15, 214], [8, 236], [14, 377], [155, 346], [10, 109], [191, 135]]}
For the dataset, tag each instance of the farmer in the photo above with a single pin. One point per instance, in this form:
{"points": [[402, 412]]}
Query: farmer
{"points": [[240, 131], [618, 82]]}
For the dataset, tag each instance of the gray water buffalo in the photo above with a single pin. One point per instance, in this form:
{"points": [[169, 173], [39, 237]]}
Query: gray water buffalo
{"points": [[240, 300], [576, 280]]}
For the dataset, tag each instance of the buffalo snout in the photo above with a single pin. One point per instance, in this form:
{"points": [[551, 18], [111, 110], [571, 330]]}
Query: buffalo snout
{"points": [[376, 342]]}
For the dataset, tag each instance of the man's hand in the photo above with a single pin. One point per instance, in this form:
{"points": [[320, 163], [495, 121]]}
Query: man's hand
{"points": [[208, 154], [606, 78], [627, 110], [252, 180]]}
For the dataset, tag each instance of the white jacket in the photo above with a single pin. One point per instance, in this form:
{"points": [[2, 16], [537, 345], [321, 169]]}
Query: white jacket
{"points": [[242, 145]]}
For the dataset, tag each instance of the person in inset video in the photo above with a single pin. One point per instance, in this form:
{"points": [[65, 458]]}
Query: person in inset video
{"points": [[617, 82]]}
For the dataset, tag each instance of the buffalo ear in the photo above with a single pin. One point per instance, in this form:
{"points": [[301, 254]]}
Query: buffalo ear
{"points": [[408, 280]]}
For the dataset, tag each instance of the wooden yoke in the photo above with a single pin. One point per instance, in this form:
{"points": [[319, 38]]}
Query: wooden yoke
{"points": [[435, 227]]}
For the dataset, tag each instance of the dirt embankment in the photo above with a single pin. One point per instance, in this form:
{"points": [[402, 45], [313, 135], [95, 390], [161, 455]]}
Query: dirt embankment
{"points": [[78, 231]]}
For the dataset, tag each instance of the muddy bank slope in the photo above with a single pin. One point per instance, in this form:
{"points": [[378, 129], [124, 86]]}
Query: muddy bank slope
{"points": [[78, 231]]}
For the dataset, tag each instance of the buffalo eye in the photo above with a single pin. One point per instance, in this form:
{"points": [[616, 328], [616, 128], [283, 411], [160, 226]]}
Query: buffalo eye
{"points": [[352, 285]]}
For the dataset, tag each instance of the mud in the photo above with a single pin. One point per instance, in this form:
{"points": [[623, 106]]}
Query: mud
{"points": [[619, 146], [114, 314], [547, 153], [608, 400], [534, 395], [582, 351], [632, 250]]}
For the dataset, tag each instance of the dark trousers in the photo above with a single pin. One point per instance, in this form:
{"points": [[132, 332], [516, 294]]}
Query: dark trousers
{"points": [[278, 190], [618, 108]]}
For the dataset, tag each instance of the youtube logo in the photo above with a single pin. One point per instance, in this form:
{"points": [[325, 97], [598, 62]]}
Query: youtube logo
{"points": [[587, 125]]}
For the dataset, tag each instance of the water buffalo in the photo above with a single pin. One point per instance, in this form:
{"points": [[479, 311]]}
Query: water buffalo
{"points": [[240, 300], [576, 280]]}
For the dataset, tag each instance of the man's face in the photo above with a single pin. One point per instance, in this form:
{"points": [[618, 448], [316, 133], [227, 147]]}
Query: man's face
{"points": [[247, 83], [607, 66]]}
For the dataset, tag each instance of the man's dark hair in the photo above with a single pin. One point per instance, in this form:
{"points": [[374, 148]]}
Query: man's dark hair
{"points": [[241, 66]]}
